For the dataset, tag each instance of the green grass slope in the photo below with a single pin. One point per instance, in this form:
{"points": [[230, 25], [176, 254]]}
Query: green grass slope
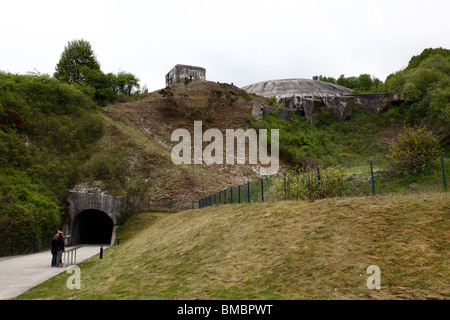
{"points": [[278, 250]]}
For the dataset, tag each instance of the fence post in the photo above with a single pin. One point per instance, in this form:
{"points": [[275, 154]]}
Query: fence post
{"points": [[373, 183], [170, 206], [239, 194], [318, 178], [231, 194], [225, 196], [13, 243], [285, 187], [248, 192], [443, 173], [148, 205], [262, 190]]}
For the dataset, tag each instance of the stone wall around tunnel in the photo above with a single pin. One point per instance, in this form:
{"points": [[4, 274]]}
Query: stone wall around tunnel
{"points": [[80, 201]]}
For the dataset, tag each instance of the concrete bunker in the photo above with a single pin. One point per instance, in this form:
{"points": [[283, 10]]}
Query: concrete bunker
{"points": [[182, 71], [308, 97]]}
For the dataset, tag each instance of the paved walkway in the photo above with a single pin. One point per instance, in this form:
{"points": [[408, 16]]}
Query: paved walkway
{"points": [[20, 273]]}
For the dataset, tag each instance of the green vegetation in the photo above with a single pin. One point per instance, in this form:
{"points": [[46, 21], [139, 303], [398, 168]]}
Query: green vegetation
{"points": [[364, 83], [426, 84], [304, 184], [48, 128], [403, 141], [332, 142], [78, 65], [277, 250], [413, 151], [362, 137]]}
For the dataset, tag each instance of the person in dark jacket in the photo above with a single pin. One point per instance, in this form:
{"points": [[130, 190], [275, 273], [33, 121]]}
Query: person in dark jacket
{"points": [[54, 248], [59, 249]]}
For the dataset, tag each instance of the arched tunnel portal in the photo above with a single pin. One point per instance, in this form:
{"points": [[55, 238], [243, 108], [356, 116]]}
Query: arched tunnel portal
{"points": [[92, 227], [93, 216]]}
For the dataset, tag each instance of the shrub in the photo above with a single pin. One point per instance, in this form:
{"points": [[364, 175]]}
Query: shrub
{"points": [[312, 184], [217, 93], [413, 150]]}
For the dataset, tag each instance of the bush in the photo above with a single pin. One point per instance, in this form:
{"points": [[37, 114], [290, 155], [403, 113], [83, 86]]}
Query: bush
{"points": [[24, 208], [413, 150], [312, 184]]}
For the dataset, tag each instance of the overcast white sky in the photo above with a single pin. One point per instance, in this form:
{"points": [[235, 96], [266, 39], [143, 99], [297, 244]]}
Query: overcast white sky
{"points": [[239, 41]]}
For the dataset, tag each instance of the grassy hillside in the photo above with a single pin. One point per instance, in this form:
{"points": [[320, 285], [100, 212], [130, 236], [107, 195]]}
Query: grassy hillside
{"points": [[47, 130], [134, 156], [53, 137], [281, 250]]}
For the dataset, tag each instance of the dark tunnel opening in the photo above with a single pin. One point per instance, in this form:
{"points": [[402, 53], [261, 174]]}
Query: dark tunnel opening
{"points": [[92, 227]]}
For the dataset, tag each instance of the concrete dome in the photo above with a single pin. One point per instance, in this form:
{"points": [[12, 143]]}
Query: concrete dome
{"points": [[298, 87]]}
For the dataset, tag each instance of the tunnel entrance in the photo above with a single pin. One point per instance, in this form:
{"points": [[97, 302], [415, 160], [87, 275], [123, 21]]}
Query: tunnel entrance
{"points": [[92, 227]]}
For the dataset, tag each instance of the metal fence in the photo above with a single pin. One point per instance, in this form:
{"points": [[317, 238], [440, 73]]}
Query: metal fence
{"points": [[24, 244], [314, 184]]}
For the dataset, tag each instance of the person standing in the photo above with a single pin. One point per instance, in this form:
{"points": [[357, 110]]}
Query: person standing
{"points": [[54, 248], [60, 250]]}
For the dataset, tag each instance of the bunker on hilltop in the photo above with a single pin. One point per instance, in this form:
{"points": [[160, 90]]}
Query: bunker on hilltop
{"points": [[182, 71], [304, 88], [308, 97]]}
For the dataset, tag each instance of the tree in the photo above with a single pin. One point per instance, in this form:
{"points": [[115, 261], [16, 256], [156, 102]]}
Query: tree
{"points": [[425, 83], [77, 59], [126, 83], [78, 65], [417, 60], [363, 83], [101, 85]]}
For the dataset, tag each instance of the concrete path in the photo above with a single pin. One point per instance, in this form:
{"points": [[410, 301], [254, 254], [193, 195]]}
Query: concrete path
{"points": [[20, 273]]}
